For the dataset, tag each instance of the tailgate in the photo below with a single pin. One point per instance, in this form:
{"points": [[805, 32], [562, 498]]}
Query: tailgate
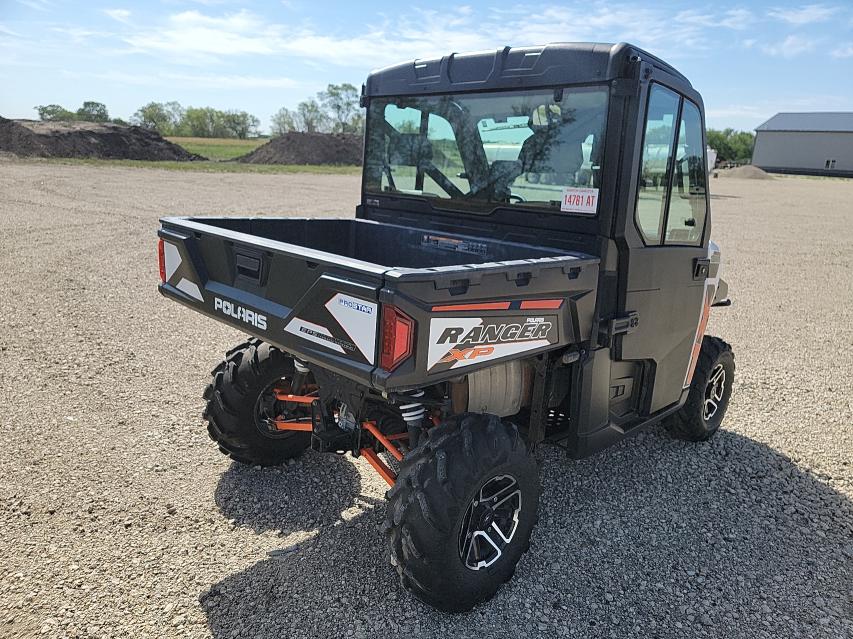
{"points": [[472, 318], [319, 306]]}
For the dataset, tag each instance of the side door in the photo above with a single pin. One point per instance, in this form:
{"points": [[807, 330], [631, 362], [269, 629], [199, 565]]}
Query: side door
{"points": [[667, 259]]}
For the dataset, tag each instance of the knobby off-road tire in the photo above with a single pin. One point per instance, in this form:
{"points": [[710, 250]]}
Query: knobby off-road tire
{"points": [[429, 506], [249, 371], [710, 390]]}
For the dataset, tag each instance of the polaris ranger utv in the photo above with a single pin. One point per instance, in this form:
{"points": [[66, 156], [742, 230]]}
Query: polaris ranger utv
{"points": [[530, 262]]}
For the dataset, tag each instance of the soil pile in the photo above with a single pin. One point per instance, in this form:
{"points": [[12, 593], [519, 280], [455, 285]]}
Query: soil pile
{"points": [[29, 138], [308, 148], [746, 172]]}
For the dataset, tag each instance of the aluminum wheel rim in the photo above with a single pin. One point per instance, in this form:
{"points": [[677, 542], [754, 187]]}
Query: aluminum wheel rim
{"points": [[490, 522], [714, 392], [267, 410]]}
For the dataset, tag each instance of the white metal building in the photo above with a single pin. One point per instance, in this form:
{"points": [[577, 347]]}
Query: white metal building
{"points": [[806, 143]]}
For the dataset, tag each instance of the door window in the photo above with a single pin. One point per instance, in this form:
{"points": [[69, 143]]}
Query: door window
{"points": [[657, 149], [685, 220], [671, 194]]}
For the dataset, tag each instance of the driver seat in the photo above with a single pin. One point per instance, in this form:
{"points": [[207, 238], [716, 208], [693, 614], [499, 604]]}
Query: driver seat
{"points": [[551, 156]]}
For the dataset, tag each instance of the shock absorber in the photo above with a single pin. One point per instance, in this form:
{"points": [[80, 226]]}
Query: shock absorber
{"points": [[413, 414], [300, 371]]}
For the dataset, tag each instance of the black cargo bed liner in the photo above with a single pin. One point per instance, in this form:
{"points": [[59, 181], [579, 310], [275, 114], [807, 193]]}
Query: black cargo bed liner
{"points": [[387, 245]]}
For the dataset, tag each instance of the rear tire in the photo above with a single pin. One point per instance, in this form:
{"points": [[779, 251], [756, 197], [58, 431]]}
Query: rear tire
{"points": [[710, 389], [249, 371], [472, 470]]}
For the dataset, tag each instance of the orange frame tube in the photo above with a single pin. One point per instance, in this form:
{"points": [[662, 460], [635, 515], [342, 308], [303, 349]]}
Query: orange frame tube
{"points": [[302, 424], [370, 427], [379, 466], [297, 399], [306, 425]]}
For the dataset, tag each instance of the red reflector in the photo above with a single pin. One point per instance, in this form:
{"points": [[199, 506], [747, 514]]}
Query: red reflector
{"points": [[533, 305], [161, 255], [398, 333]]}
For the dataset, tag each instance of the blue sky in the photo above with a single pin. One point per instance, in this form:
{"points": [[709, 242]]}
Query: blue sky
{"points": [[748, 59]]}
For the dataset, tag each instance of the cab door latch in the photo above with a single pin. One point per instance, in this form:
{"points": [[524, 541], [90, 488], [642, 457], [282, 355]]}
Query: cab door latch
{"points": [[701, 268], [625, 324], [622, 325]]}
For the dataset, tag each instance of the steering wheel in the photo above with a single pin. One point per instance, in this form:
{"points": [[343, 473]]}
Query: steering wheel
{"points": [[516, 198]]}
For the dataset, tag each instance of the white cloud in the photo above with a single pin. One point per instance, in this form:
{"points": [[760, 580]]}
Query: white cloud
{"points": [[805, 15], [80, 35], [193, 36], [193, 33], [120, 15], [790, 47], [730, 19], [750, 115], [6, 32], [740, 111], [38, 5], [232, 81], [844, 51], [189, 80]]}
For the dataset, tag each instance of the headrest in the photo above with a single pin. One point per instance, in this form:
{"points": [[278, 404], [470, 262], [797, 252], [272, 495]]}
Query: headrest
{"points": [[547, 151]]}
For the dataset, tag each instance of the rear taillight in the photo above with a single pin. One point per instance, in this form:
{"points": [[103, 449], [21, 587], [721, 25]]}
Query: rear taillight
{"points": [[161, 255], [398, 336]]}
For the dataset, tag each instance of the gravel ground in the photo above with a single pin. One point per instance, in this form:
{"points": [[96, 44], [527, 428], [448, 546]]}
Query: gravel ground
{"points": [[120, 519]]}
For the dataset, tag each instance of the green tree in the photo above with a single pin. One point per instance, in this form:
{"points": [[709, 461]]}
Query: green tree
{"points": [[54, 112], [240, 124], [283, 121], [204, 122], [93, 112], [731, 145], [743, 142], [311, 118], [341, 101], [356, 123], [163, 117]]}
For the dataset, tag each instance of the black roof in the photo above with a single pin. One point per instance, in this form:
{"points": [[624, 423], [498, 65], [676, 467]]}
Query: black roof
{"points": [[510, 68], [827, 121]]}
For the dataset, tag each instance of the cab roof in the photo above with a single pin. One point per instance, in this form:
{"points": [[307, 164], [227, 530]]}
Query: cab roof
{"points": [[512, 68]]}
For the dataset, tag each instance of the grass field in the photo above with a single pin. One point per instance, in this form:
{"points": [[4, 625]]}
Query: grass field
{"points": [[219, 148], [212, 167]]}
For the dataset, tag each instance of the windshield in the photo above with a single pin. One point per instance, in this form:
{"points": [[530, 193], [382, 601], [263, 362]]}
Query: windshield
{"points": [[540, 148]]}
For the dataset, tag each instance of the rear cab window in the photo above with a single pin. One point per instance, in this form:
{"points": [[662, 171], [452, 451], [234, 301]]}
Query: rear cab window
{"points": [[478, 151]]}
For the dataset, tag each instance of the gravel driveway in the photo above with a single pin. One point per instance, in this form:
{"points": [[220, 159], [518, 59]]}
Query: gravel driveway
{"points": [[120, 518]]}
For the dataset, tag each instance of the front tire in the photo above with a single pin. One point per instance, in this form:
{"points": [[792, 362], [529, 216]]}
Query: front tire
{"points": [[462, 511], [710, 389], [239, 383]]}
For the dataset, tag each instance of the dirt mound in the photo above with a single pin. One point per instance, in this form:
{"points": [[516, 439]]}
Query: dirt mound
{"points": [[29, 138], [746, 172], [308, 148]]}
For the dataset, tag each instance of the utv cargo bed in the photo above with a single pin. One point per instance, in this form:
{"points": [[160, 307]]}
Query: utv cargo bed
{"points": [[317, 288]]}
